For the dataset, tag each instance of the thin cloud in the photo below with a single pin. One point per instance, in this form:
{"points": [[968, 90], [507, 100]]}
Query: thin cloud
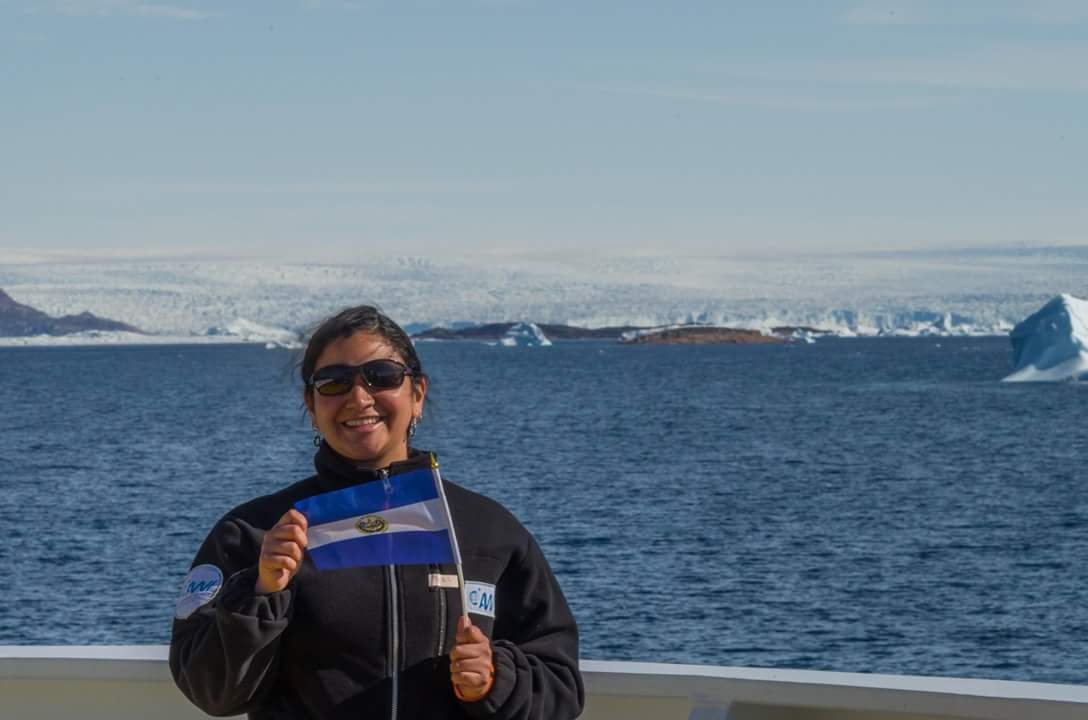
{"points": [[387, 187], [1009, 68], [938, 12], [102, 8], [418, 4], [881, 83], [783, 99]]}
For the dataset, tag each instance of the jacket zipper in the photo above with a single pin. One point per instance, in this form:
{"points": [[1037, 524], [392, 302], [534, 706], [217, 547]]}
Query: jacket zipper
{"points": [[395, 644], [394, 634], [441, 619]]}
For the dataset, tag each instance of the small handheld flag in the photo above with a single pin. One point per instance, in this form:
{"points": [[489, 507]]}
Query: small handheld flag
{"points": [[401, 520]]}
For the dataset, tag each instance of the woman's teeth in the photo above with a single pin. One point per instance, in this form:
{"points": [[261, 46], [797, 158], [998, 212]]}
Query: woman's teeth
{"points": [[363, 421]]}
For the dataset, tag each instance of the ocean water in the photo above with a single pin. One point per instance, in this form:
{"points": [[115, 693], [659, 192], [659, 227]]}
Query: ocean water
{"points": [[874, 505]]}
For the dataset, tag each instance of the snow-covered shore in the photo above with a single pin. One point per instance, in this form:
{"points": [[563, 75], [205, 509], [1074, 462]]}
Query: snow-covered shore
{"points": [[99, 338]]}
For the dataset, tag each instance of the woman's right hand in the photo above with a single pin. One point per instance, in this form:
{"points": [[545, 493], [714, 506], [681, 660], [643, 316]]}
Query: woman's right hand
{"points": [[281, 552]]}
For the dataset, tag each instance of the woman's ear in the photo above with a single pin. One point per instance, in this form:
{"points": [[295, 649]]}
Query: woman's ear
{"points": [[419, 392], [308, 401]]}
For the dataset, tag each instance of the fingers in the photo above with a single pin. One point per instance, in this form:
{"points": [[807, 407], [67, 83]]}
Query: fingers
{"points": [[478, 665], [472, 678], [281, 552], [471, 683], [286, 556], [294, 517], [471, 667], [287, 534]]}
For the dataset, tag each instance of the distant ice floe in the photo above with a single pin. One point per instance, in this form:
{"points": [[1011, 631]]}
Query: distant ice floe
{"points": [[525, 335], [1052, 344]]}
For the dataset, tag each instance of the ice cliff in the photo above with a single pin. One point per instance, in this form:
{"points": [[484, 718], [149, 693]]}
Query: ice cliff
{"points": [[248, 331]]}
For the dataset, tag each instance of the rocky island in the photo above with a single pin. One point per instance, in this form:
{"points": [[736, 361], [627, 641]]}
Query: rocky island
{"points": [[698, 335], [18, 320]]}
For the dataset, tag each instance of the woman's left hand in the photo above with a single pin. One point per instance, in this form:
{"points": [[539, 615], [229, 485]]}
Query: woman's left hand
{"points": [[470, 662]]}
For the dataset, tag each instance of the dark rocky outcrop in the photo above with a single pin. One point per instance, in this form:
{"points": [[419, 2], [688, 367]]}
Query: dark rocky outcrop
{"points": [[701, 335], [18, 320]]}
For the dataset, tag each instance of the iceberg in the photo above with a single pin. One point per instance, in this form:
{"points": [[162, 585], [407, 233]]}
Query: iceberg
{"points": [[1052, 344], [525, 335]]}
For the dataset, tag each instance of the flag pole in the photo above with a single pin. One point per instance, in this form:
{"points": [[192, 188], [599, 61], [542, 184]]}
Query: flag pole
{"points": [[453, 536]]}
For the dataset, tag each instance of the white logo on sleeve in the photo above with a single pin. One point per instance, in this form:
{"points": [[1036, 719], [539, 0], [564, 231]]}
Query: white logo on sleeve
{"points": [[481, 598], [200, 586]]}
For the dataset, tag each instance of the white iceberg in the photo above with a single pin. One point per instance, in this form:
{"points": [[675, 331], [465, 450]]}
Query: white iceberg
{"points": [[525, 335], [1052, 344]]}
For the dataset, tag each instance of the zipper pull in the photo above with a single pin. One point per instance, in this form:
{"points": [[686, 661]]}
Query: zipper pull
{"points": [[384, 475]]}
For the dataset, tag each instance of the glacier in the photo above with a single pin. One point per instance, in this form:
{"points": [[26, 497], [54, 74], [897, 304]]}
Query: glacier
{"points": [[243, 330], [976, 292], [1052, 344]]}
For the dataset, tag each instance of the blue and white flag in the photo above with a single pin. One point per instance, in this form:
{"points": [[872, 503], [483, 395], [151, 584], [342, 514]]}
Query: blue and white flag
{"points": [[402, 520]]}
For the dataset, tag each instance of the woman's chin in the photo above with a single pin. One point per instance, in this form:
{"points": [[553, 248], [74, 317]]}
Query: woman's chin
{"points": [[368, 452]]}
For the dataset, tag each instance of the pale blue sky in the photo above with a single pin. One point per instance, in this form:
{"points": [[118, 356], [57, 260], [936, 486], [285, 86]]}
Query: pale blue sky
{"points": [[334, 129]]}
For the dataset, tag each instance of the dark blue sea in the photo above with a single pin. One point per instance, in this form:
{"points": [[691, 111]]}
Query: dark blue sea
{"points": [[874, 505]]}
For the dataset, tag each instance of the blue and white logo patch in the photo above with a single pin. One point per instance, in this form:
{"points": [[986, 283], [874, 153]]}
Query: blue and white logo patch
{"points": [[481, 598], [200, 586]]}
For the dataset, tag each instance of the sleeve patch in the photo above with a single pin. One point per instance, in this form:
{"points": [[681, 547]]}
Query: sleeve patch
{"points": [[201, 585]]}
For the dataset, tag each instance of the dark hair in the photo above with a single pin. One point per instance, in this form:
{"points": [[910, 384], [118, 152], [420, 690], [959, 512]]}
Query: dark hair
{"points": [[347, 322]]}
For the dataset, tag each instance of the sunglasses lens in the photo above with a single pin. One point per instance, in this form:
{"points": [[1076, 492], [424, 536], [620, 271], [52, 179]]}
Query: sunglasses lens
{"points": [[383, 374], [334, 380], [332, 387]]}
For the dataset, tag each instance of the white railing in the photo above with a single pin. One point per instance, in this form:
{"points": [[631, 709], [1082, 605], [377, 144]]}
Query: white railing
{"points": [[121, 682]]}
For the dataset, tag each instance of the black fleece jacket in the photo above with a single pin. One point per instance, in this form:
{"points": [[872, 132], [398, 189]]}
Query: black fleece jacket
{"points": [[372, 642]]}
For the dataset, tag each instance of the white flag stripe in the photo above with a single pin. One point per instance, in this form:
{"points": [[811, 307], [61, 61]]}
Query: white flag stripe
{"points": [[426, 516]]}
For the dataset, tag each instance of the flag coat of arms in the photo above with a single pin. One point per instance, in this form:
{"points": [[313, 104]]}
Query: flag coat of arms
{"points": [[400, 520]]}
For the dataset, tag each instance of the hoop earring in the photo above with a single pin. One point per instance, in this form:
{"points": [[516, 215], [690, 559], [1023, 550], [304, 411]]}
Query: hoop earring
{"points": [[412, 426], [317, 436]]}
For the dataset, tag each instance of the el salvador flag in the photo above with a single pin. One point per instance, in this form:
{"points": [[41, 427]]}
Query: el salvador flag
{"points": [[402, 520]]}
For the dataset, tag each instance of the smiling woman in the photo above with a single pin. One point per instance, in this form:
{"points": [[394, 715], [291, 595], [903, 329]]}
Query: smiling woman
{"points": [[268, 627]]}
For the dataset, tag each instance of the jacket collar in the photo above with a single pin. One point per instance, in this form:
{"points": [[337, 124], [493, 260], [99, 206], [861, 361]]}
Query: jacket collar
{"points": [[335, 471]]}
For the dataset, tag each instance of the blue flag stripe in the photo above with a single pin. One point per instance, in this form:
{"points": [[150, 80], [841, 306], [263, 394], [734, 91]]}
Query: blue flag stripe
{"points": [[402, 548], [409, 488]]}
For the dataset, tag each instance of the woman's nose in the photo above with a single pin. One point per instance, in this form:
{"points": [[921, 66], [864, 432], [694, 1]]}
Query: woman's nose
{"points": [[360, 392]]}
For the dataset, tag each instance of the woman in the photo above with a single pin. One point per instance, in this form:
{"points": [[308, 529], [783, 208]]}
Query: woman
{"points": [[260, 630]]}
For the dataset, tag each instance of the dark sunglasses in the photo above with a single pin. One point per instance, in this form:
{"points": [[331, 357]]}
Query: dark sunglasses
{"points": [[376, 374]]}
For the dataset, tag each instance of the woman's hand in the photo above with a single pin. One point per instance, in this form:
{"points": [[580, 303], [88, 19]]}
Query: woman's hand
{"points": [[470, 662], [281, 552]]}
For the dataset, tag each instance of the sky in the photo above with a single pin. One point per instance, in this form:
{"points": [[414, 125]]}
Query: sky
{"points": [[330, 130]]}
